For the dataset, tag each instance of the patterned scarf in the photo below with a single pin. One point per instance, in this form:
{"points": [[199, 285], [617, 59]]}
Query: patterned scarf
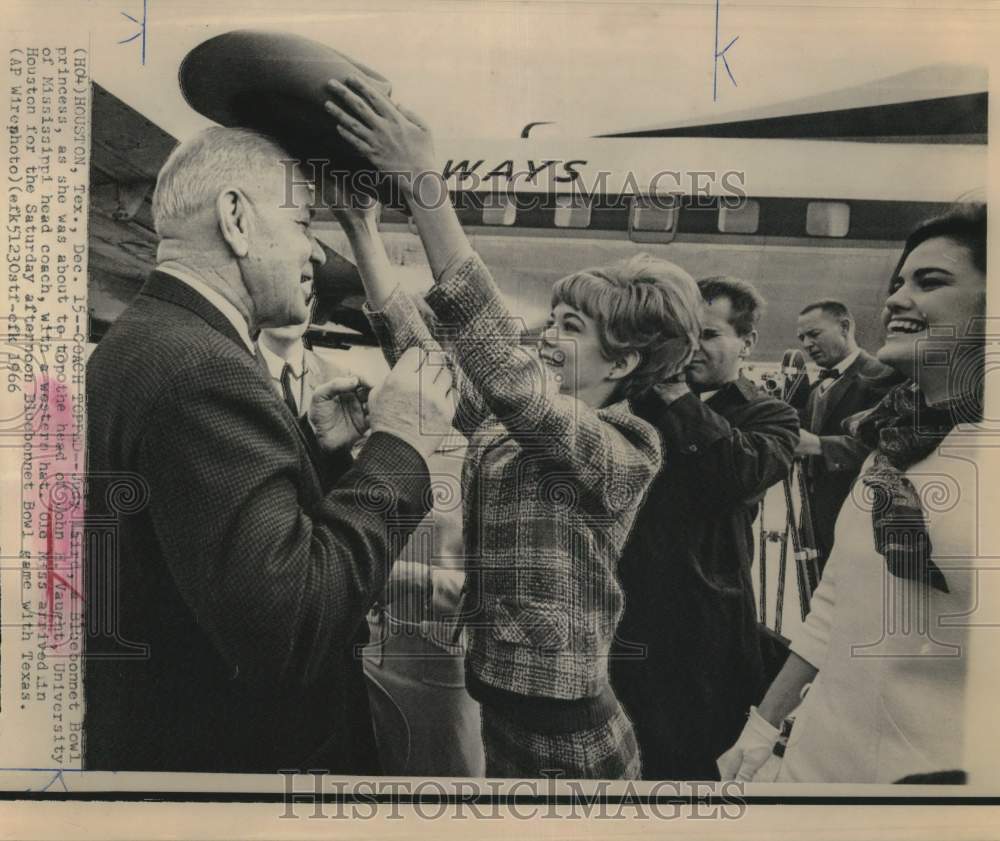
{"points": [[903, 430]]}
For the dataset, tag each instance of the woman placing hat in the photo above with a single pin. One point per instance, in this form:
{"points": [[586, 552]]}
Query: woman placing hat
{"points": [[557, 464], [885, 645]]}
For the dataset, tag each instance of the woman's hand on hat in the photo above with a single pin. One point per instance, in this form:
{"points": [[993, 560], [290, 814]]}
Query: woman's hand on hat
{"points": [[391, 137]]}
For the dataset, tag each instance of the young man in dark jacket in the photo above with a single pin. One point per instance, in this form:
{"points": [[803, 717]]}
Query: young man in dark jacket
{"points": [[686, 661]]}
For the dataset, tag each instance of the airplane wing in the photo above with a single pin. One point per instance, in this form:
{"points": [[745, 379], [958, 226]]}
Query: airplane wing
{"points": [[935, 104], [832, 216]]}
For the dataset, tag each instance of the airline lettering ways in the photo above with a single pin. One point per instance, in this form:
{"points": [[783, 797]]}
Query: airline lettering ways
{"points": [[562, 172]]}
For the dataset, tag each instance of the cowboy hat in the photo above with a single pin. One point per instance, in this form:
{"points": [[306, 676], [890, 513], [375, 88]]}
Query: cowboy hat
{"points": [[275, 83]]}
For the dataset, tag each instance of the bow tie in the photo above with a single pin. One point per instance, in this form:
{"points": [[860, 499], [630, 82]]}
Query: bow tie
{"points": [[828, 374]]}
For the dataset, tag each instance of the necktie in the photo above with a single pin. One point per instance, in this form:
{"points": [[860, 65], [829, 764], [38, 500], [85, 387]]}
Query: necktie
{"points": [[827, 377], [286, 390]]}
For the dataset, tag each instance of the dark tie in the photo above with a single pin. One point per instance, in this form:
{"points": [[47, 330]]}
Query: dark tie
{"points": [[828, 374], [286, 389]]}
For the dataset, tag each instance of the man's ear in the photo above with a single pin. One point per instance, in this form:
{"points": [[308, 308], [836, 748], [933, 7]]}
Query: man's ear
{"points": [[621, 368], [232, 208], [749, 340]]}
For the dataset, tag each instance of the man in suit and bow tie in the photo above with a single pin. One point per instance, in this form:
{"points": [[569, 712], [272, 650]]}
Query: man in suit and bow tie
{"points": [[850, 381], [226, 605]]}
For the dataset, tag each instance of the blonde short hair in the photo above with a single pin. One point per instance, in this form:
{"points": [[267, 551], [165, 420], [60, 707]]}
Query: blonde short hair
{"points": [[200, 168], [643, 305]]}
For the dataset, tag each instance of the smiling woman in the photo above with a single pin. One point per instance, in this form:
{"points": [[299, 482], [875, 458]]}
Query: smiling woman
{"points": [[881, 647], [616, 330], [936, 306], [553, 477]]}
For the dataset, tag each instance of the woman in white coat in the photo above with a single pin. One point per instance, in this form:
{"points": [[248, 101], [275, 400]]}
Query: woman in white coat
{"points": [[882, 656]]}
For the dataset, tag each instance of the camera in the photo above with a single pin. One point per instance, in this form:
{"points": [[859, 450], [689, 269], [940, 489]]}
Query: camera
{"points": [[770, 385]]}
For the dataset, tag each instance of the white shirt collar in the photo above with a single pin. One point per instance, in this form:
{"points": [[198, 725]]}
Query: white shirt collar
{"points": [[846, 362], [708, 395], [216, 299], [276, 363]]}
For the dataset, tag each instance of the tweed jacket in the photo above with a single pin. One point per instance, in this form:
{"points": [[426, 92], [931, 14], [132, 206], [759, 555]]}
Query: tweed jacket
{"points": [[550, 490], [239, 566], [831, 474]]}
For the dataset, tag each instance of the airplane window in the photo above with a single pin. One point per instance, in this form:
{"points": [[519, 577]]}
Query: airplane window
{"points": [[647, 217], [572, 212], [828, 218], [499, 209], [744, 219]]}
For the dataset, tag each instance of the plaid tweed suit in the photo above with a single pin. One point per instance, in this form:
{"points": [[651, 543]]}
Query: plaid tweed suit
{"points": [[240, 564], [550, 490]]}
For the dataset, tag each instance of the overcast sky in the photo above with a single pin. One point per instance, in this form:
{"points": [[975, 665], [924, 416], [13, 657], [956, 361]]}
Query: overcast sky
{"points": [[485, 69]]}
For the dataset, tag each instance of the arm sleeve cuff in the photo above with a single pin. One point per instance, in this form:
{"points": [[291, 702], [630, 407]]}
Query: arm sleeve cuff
{"points": [[388, 459], [398, 325]]}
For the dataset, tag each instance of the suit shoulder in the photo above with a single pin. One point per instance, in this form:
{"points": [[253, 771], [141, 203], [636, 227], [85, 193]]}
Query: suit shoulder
{"points": [[876, 377], [154, 345], [763, 405], [872, 368]]}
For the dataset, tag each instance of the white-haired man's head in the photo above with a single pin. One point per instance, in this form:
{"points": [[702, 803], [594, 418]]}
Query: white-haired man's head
{"points": [[230, 206], [202, 167]]}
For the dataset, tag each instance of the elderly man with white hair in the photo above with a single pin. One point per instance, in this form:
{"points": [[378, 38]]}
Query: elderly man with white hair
{"points": [[224, 615]]}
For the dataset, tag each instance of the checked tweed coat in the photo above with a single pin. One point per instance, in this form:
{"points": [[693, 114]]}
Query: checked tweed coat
{"points": [[550, 490], [225, 607]]}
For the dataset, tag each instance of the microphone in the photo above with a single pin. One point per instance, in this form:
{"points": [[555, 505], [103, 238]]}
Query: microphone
{"points": [[795, 385]]}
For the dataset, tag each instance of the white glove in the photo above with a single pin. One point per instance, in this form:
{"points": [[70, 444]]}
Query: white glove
{"points": [[768, 772], [751, 750]]}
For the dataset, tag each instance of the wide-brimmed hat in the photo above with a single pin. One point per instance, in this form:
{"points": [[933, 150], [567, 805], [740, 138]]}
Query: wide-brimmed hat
{"points": [[275, 83]]}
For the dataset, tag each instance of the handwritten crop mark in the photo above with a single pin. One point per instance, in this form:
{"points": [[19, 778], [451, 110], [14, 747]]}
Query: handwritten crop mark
{"points": [[720, 54], [142, 30]]}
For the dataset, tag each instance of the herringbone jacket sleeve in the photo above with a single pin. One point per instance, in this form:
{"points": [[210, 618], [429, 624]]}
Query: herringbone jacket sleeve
{"points": [[398, 326], [279, 574], [611, 453]]}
